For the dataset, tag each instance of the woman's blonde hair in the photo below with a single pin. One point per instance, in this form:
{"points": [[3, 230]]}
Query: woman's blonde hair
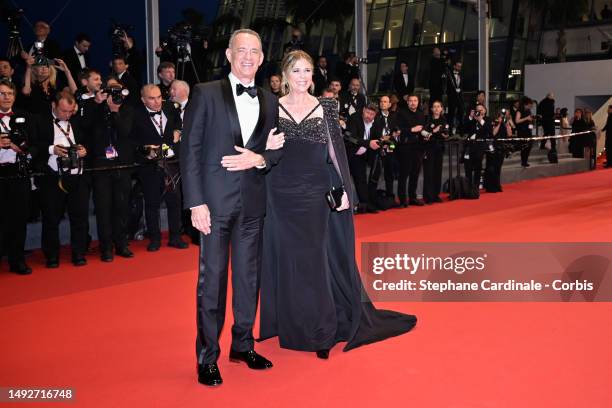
{"points": [[52, 76], [288, 63]]}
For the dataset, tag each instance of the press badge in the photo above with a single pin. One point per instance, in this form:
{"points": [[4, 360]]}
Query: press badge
{"points": [[111, 152]]}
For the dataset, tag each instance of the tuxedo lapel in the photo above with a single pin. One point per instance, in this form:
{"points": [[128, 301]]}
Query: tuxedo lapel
{"points": [[232, 113], [261, 120]]}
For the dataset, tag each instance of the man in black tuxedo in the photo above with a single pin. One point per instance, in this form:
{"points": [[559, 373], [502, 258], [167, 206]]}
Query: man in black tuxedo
{"points": [[436, 70], [156, 133], [120, 70], [403, 83], [166, 73], [223, 163], [51, 48], [15, 140], [347, 69], [353, 100], [77, 57], [410, 151], [361, 150], [456, 108], [387, 121], [320, 77], [62, 185]]}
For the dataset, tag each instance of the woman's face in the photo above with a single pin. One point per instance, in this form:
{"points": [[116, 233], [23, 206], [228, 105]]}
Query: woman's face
{"points": [[275, 83], [41, 72], [437, 108], [578, 114], [300, 76]]}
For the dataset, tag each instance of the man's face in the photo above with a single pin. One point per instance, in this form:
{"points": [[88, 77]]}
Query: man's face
{"points": [[368, 115], [413, 103], [436, 53], [63, 109], [119, 66], [437, 108], [481, 109], [336, 86], [167, 75], [152, 99], [83, 46], [458, 66], [7, 98], [404, 68], [41, 30], [6, 70], [245, 56], [480, 98], [94, 82], [355, 85], [384, 103], [323, 62], [178, 93]]}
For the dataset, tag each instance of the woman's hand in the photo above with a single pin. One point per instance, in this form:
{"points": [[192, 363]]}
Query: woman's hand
{"points": [[345, 203]]}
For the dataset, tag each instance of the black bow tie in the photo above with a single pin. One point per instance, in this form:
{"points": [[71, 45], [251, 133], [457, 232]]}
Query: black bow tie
{"points": [[251, 90], [80, 54], [155, 113]]}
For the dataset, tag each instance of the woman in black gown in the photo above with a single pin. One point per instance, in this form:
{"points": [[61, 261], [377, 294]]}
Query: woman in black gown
{"points": [[311, 291]]}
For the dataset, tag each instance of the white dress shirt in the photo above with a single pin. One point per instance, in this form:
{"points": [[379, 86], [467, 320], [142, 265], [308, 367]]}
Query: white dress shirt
{"points": [[7, 155], [80, 57], [405, 76], [366, 136], [164, 121], [59, 139], [247, 108]]}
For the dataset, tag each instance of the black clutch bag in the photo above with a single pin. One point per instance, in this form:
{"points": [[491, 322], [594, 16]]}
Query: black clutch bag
{"points": [[334, 197]]}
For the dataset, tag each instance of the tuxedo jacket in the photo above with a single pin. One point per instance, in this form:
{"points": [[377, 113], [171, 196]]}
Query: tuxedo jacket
{"points": [[356, 126], [72, 61], [399, 85], [44, 136], [144, 132], [131, 84], [27, 128], [320, 81], [121, 124], [211, 130], [347, 100]]}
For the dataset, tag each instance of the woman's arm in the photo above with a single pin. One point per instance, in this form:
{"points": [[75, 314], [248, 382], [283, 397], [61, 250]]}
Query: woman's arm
{"points": [[61, 65], [27, 79]]}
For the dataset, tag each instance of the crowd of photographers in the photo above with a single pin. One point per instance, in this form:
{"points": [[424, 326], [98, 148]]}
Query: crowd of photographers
{"points": [[70, 131]]}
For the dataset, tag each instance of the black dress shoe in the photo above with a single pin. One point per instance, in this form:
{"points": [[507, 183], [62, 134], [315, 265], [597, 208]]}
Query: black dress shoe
{"points": [[52, 263], [79, 260], [418, 203], [525, 165], [209, 374], [106, 256], [124, 252], [437, 200], [153, 246], [178, 243], [371, 210], [21, 268], [323, 354], [253, 360], [403, 204]]}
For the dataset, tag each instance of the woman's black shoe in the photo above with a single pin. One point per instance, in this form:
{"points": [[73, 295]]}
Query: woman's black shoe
{"points": [[323, 354]]}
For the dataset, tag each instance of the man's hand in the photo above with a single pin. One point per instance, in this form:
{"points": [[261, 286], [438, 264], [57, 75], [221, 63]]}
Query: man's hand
{"points": [[81, 151], [100, 97], [345, 203], [243, 161], [60, 151], [275, 142], [200, 218], [113, 107], [436, 129], [176, 136], [417, 129], [5, 142], [374, 145]]}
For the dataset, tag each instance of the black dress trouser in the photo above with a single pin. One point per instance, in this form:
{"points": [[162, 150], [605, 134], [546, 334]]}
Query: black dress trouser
{"points": [[111, 193], [14, 211]]}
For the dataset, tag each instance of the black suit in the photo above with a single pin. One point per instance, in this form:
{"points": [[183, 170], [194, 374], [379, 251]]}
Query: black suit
{"points": [[401, 87], [321, 80], [237, 204], [389, 160], [15, 192], [131, 84], [54, 201], [410, 152], [74, 65], [51, 48], [456, 105], [152, 173], [358, 163], [348, 100], [608, 130]]}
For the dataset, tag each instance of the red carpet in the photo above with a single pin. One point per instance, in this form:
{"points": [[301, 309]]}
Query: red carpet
{"points": [[122, 335]]}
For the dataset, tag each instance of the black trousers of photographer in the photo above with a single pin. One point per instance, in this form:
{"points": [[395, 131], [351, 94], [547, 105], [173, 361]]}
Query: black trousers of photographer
{"points": [[152, 178], [473, 164], [410, 159], [432, 172], [358, 166], [54, 202], [390, 165], [111, 194], [14, 211]]}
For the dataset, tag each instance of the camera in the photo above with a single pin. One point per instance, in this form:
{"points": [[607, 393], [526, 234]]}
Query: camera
{"points": [[117, 95], [117, 34], [537, 117], [71, 161], [12, 17], [39, 55], [18, 135], [477, 114]]}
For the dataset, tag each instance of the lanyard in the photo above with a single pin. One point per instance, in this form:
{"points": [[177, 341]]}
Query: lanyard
{"points": [[64, 132], [158, 124]]}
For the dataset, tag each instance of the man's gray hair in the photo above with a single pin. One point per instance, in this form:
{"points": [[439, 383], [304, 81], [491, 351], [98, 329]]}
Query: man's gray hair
{"points": [[244, 31], [182, 84]]}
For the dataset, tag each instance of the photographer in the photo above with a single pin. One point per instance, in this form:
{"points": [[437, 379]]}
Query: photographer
{"points": [[387, 121], [434, 133], [410, 151], [353, 100], [166, 72], [502, 130], [60, 150], [478, 128], [188, 51], [120, 70], [77, 57], [111, 147], [156, 133], [41, 83], [50, 47], [456, 105], [359, 148], [524, 127], [90, 81], [15, 132]]}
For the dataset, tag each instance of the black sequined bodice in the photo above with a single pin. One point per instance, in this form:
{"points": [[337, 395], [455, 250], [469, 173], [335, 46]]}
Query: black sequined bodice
{"points": [[310, 129]]}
